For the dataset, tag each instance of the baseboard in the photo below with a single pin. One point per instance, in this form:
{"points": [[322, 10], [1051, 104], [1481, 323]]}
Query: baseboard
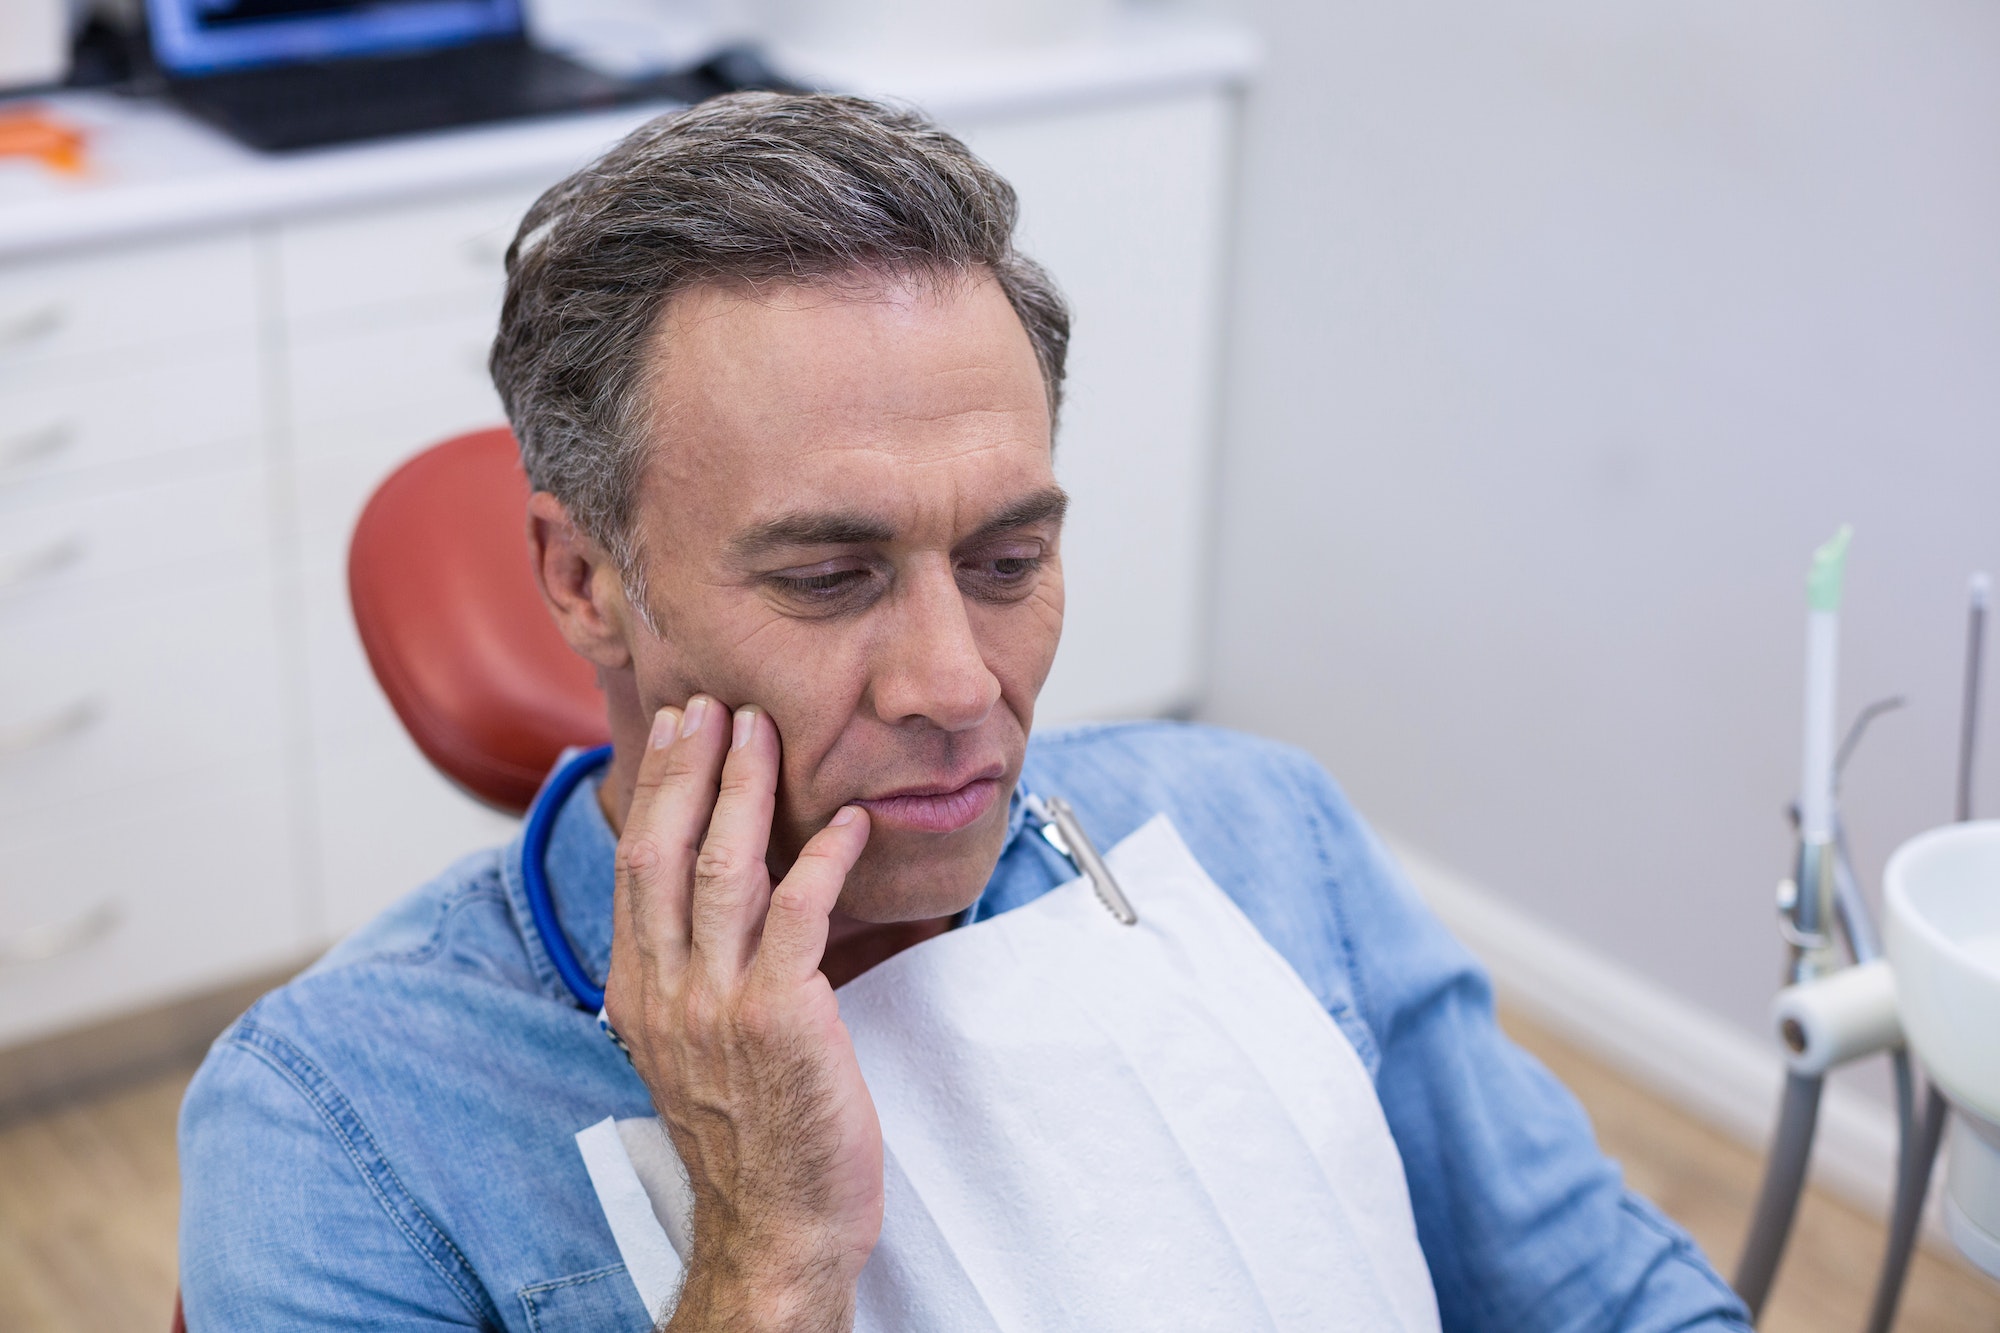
{"points": [[49, 1071], [1708, 1067]]}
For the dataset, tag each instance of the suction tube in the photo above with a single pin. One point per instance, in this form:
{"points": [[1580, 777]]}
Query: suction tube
{"points": [[1778, 1200], [1920, 1149], [1812, 911], [1913, 1180]]}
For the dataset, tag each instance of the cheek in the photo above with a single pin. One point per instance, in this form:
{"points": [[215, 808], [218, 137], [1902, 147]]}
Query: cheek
{"points": [[811, 683], [663, 674], [1020, 641]]}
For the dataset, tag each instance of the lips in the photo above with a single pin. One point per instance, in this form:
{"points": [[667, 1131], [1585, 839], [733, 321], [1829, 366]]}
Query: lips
{"points": [[936, 808]]}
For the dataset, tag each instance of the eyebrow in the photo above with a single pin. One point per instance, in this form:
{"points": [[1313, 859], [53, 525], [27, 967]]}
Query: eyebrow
{"points": [[1044, 506], [846, 528], [827, 529]]}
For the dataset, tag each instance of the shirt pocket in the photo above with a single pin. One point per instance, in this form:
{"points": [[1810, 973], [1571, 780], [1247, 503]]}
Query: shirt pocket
{"points": [[602, 1300]]}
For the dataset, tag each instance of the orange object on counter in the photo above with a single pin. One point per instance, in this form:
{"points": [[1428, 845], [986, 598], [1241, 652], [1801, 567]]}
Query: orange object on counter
{"points": [[34, 132]]}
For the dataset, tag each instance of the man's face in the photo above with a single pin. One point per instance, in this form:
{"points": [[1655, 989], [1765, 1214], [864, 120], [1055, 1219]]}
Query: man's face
{"points": [[850, 518]]}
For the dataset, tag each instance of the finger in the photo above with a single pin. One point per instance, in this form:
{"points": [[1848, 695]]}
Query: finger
{"points": [[795, 927], [731, 882], [639, 853], [653, 763], [662, 834], [626, 938]]}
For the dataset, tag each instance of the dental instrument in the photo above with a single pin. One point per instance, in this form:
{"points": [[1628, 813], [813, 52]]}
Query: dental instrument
{"points": [[1814, 915], [1920, 1150], [1804, 910], [1831, 1014]]}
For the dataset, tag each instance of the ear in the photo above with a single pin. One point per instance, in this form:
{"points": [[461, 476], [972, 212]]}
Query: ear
{"points": [[580, 584]]}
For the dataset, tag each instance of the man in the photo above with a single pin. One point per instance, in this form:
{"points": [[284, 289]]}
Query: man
{"points": [[786, 394]]}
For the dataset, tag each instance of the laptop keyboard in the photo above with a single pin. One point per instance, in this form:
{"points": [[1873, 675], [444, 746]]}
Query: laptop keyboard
{"points": [[312, 105]]}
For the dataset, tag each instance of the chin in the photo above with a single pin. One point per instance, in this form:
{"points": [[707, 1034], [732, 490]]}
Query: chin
{"points": [[917, 877]]}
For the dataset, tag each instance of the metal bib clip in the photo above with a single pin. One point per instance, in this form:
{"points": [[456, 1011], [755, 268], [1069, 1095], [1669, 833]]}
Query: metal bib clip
{"points": [[1063, 831]]}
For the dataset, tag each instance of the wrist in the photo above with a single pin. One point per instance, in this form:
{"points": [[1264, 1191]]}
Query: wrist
{"points": [[721, 1292]]}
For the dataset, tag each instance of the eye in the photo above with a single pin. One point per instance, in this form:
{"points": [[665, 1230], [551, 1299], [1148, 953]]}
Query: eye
{"points": [[829, 586], [1004, 573], [822, 583]]}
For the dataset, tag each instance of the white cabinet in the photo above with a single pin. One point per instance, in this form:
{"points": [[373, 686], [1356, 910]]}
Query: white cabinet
{"points": [[386, 320], [79, 316], [198, 774], [1125, 204], [147, 837], [148, 893], [402, 258], [55, 430]]}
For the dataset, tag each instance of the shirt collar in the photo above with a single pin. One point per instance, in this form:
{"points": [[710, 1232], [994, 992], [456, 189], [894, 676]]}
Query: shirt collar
{"points": [[580, 873]]}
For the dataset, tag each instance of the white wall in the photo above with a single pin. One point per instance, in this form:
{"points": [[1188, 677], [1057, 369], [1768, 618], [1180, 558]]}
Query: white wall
{"points": [[1564, 330]]}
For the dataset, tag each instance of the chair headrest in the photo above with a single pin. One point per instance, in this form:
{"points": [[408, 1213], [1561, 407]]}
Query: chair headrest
{"points": [[454, 624]]}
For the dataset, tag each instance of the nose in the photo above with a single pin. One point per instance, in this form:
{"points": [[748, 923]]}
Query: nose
{"points": [[929, 669]]}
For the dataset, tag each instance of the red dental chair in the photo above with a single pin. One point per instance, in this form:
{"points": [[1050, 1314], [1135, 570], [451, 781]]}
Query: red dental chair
{"points": [[455, 628], [454, 625]]}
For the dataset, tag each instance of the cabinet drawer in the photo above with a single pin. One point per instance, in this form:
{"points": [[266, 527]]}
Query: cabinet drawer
{"points": [[332, 490], [453, 248], [363, 403], [347, 709], [418, 381], [96, 701], [84, 316], [388, 821], [109, 906], [107, 548], [62, 429]]}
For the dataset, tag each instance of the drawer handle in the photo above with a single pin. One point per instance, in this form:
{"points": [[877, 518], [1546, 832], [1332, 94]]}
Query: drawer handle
{"points": [[59, 725], [53, 939], [37, 446], [31, 328], [17, 572]]}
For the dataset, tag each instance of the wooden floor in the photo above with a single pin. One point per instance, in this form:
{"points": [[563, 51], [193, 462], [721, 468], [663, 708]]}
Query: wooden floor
{"points": [[87, 1199], [87, 1202], [1707, 1182]]}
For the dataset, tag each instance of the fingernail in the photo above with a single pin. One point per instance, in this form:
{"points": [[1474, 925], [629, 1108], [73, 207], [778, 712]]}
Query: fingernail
{"points": [[847, 814], [665, 723], [745, 728], [696, 709]]}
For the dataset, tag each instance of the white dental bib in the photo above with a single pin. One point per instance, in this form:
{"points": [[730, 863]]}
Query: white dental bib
{"points": [[1094, 1126]]}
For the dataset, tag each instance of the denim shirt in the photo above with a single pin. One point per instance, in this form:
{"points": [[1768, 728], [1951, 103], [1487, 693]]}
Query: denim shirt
{"points": [[389, 1140]]}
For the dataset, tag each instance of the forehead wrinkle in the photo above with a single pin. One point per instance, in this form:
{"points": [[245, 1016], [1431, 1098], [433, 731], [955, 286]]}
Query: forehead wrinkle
{"points": [[690, 313], [971, 415]]}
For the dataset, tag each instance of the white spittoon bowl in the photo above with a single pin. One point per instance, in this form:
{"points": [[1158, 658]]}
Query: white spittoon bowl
{"points": [[1943, 898]]}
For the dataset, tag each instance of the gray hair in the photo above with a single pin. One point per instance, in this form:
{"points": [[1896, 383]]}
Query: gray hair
{"points": [[745, 188]]}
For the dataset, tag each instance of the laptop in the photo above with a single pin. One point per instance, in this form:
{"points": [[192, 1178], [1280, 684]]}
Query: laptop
{"points": [[292, 74]]}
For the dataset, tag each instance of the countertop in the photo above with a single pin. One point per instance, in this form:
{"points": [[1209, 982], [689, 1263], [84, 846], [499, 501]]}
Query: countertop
{"points": [[154, 171]]}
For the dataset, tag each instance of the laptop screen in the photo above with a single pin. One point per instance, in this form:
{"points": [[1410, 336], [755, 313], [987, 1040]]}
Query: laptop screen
{"points": [[200, 36]]}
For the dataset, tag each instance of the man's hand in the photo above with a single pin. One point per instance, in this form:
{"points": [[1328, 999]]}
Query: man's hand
{"points": [[715, 986]]}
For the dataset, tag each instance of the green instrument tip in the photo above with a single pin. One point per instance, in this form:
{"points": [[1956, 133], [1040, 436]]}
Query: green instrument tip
{"points": [[1829, 567]]}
